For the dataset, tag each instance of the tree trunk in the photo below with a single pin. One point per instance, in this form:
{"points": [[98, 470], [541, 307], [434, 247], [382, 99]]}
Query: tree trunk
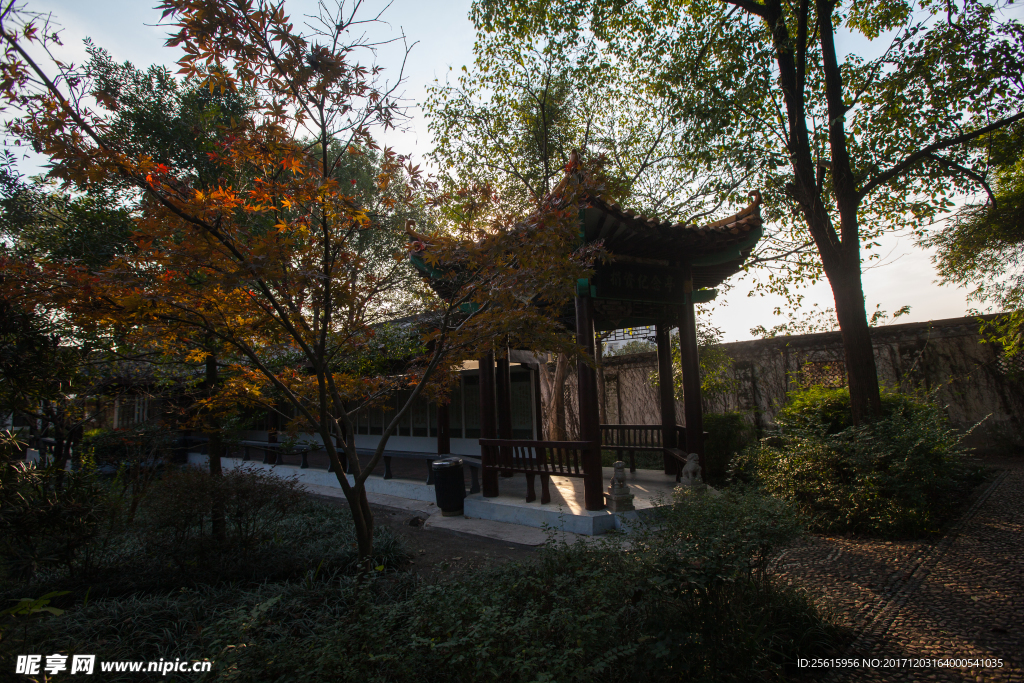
{"points": [[552, 391], [362, 516], [861, 372], [839, 251], [215, 451]]}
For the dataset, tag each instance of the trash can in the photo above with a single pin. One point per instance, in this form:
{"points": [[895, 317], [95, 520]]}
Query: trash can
{"points": [[449, 485]]}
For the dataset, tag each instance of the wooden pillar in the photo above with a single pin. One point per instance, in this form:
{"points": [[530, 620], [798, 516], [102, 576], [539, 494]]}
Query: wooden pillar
{"points": [[488, 428], [538, 408], [503, 381], [666, 391], [602, 394], [691, 378], [590, 426], [444, 430]]}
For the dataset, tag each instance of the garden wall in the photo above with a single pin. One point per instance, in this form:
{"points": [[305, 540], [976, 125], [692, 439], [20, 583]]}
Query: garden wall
{"points": [[946, 357]]}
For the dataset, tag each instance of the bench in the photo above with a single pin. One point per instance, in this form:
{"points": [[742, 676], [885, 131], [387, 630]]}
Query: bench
{"points": [[532, 458]]}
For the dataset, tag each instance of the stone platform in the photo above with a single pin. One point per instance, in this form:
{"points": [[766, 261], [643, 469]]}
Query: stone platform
{"points": [[564, 513]]}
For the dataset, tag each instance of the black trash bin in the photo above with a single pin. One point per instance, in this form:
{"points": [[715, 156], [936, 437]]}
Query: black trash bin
{"points": [[449, 485]]}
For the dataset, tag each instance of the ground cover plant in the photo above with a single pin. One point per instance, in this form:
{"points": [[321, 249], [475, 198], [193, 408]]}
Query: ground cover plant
{"points": [[902, 475], [689, 598]]}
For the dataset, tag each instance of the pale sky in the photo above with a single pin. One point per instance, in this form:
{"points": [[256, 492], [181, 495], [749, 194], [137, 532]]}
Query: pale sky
{"points": [[443, 38]]}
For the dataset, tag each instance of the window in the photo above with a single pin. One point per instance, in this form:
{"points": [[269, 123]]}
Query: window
{"points": [[471, 409]]}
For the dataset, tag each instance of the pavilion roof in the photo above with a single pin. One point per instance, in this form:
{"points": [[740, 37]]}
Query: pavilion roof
{"points": [[714, 251], [711, 252]]}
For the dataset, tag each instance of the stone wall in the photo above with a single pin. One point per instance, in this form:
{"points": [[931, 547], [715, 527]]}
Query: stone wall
{"points": [[946, 358]]}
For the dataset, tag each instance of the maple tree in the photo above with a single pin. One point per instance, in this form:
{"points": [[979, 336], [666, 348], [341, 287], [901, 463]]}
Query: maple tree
{"points": [[264, 264]]}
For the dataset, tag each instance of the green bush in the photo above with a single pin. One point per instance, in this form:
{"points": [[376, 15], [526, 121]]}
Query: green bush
{"points": [[179, 510], [48, 517], [687, 599], [728, 434], [274, 533], [901, 475]]}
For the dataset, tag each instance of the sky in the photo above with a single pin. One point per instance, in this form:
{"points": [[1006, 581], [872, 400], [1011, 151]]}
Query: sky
{"points": [[441, 37]]}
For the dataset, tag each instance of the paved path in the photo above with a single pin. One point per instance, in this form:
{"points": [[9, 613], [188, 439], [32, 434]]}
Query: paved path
{"points": [[961, 597]]}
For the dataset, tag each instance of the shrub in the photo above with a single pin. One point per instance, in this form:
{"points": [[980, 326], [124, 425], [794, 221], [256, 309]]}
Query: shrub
{"points": [[48, 516], [728, 434], [179, 511], [134, 455], [898, 476], [688, 599]]}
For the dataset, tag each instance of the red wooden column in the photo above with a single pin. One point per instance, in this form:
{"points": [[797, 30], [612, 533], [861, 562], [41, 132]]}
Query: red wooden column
{"points": [[488, 427], [666, 390], [691, 378], [590, 428]]}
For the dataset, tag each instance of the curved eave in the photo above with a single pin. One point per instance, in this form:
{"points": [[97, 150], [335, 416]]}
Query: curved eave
{"points": [[711, 247]]}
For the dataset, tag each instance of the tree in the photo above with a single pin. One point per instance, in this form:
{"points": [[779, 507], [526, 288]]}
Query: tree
{"points": [[270, 262], [153, 115], [982, 246], [849, 147]]}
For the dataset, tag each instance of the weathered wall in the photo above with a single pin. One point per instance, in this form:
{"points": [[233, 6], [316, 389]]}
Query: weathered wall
{"points": [[945, 357]]}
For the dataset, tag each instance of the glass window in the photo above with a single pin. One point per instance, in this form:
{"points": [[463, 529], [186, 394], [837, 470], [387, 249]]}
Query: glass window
{"points": [[522, 406], [376, 420], [404, 428], [471, 407], [455, 411], [419, 416]]}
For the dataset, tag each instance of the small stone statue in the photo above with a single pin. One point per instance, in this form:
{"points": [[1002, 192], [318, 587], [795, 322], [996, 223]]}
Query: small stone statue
{"points": [[618, 493], [690, 475]]}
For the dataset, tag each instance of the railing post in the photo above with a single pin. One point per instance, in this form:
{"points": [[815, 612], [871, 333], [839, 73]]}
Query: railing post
{"points": [[586, 380]]}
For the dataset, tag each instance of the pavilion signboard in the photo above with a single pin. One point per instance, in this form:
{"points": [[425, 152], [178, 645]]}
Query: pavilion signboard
{"points": [[638, 282], [643, 283]]}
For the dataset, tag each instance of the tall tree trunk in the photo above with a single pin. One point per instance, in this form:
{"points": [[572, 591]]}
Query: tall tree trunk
{"points": [[552, 392], [861, 371], [839, 251]]}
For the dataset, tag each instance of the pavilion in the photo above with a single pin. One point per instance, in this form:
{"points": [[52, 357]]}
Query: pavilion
{"points": [[656, 273]]}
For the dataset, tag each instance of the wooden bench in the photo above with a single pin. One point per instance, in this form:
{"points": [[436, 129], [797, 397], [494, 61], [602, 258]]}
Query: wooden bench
{"points": [[544, 458]]}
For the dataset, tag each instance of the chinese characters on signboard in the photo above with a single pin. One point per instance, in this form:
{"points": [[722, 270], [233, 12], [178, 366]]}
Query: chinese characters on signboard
{"points": [[638, 283]]}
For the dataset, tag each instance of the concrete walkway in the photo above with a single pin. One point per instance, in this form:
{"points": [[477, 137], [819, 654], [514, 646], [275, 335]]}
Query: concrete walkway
{"points": [[920, 606], [499, 531]]}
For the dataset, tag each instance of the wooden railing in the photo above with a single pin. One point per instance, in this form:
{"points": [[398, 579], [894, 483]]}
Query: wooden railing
{"points": [[631, 439], [544, 458]]}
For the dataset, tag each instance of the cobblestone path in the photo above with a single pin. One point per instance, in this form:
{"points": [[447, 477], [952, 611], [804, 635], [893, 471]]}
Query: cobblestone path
{"points": [[961, 597]]}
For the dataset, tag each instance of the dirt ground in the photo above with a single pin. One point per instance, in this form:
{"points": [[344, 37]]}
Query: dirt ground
{"points": [[441, 551]]}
